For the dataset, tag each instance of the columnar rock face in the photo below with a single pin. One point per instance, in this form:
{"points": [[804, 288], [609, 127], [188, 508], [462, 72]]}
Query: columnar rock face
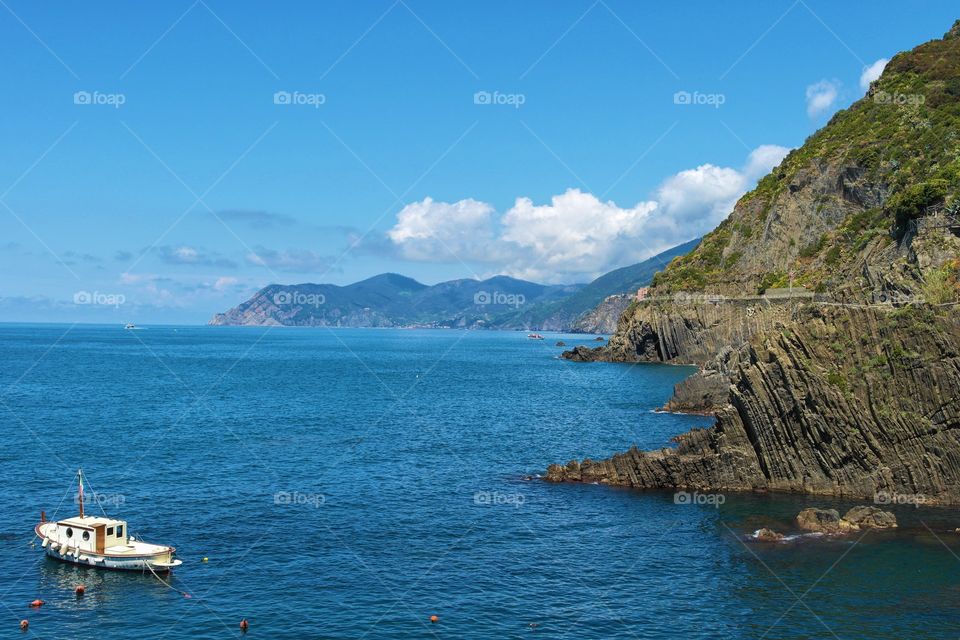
{"points": [[855, 392], [845, 402]]}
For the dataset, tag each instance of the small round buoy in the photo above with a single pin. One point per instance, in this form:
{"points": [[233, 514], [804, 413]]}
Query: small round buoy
{"points": [[205, 559], [37, 603], [79, 590], [434, 619], [24, 625], [244, 625]]}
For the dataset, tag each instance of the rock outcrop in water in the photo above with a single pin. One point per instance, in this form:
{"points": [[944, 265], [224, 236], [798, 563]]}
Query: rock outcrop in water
{"points": [[829, 520], [853, 392]]}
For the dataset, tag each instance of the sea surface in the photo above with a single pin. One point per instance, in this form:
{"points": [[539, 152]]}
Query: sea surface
{"points": [[352, 483]]}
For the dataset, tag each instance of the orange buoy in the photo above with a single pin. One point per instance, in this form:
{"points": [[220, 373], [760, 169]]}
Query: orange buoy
{"points": [[24, 625], [37, 603], [244, 625], [79, 590], [434, 619]]}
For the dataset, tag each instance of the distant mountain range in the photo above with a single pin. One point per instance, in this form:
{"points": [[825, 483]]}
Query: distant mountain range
{"points": [[501, 302]]}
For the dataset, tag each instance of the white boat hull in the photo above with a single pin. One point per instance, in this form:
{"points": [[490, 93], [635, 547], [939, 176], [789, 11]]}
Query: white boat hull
{"points": [[157, 562], [134, 563]]}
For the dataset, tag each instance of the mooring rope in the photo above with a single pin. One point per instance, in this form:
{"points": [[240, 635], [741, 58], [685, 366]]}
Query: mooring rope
{"points": [[164, 582]]}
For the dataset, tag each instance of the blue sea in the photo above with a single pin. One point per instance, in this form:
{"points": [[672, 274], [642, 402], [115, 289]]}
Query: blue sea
{"points": [[354, 483]]}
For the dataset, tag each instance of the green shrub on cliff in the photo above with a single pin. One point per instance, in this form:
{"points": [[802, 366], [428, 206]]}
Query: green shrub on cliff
{"points": [[913, 201], [940, 286]]}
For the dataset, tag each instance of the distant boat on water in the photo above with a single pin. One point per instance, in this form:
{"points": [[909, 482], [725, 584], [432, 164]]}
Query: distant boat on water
{"points": [[102, 542], [129, 325], [535, 336]]}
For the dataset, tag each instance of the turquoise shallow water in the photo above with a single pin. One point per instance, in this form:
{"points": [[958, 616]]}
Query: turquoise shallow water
{"points": [[350, 483]]}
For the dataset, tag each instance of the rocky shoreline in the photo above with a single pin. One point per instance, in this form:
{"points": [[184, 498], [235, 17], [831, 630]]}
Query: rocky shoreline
{"points": [[842, 402]]}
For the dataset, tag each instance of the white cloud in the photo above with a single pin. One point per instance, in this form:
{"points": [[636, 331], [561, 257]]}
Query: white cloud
{"points": [[428, 229], [763, 160], [576, 236], [872, 72], [707, 191], [576, 233], [821, 96]]}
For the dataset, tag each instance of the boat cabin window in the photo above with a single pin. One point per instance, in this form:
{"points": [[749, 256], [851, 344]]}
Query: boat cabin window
{"points": [[120, 531], [86, 535], [109, 531], [69, 532]]}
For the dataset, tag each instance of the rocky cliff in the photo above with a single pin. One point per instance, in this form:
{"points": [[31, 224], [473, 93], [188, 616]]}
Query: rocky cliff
{"points": [[604, 317], [855, 391]]}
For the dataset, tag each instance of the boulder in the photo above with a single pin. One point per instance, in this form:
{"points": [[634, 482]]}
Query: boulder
{"points": [[823, 521], [867, 517], [581, 353]]}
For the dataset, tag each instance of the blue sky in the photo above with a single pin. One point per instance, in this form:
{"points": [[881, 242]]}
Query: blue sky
{"points": [[174, 157]]}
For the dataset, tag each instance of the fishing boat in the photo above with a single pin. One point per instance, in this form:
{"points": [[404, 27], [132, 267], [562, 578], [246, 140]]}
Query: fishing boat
{"points": [[102, 542], [129, 325], [535, 336]]}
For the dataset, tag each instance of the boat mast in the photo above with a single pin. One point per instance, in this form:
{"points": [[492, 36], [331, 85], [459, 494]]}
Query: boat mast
{"points": [[80, 494]]}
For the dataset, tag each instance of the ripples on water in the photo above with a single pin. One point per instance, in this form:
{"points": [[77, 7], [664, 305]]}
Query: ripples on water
{"points": [[351, 483]]}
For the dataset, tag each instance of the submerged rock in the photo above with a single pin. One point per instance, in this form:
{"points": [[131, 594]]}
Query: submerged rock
{"points": [[767, 535], [561, 343]]}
